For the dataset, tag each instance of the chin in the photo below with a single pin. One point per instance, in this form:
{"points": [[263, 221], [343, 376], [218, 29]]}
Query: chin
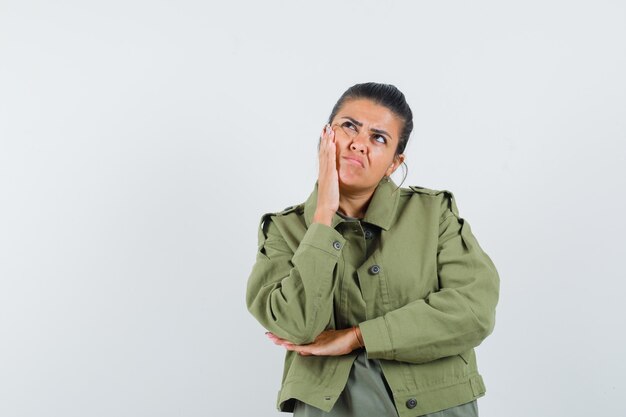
{"points": [[352, 182]]}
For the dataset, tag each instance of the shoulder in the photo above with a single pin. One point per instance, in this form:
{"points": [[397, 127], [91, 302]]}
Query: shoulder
{"points": [[285, 214], [445, 198], [412, 189]]}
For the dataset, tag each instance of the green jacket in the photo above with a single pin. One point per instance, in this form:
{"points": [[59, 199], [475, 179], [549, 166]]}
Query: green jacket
{"points": [[424, 296]]}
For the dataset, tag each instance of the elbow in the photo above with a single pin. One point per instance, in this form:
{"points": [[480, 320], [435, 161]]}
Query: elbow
{"points": [[298, 328], [485, 314], [291, 332], [289, 324], [486, 328], [485, 324]]}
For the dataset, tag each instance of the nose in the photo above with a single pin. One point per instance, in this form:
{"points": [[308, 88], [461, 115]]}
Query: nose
{"points": [[358, 144]]}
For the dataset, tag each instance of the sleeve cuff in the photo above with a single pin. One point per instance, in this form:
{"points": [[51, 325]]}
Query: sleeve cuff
{"points": [[325, 238], [376, 338]]}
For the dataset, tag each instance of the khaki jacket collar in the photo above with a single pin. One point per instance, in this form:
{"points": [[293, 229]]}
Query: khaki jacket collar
{"points": [[380, 211]]}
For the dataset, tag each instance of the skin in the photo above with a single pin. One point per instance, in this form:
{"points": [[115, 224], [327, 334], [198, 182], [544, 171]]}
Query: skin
{"points": [[346, 186]]}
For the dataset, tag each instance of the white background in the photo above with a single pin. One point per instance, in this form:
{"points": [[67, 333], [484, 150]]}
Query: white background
{"points": [[140, 142]]}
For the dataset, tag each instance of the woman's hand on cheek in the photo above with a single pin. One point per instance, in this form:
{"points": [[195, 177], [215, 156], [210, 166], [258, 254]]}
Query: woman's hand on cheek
{"points": [[328, 178], [328, 343]]}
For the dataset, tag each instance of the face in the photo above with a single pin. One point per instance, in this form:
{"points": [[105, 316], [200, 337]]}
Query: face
{"points": [[367, 136]]}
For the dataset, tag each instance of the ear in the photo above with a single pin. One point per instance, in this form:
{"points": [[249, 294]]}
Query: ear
{"points": [[397, 161]]}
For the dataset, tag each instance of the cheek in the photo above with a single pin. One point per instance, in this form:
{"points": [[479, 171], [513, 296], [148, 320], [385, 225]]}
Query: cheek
{"points": [[340, 138], [381, 158], [341, 143]]}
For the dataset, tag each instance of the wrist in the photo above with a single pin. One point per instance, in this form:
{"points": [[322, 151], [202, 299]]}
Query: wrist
{"points": [[324, 217], [358, 337]]}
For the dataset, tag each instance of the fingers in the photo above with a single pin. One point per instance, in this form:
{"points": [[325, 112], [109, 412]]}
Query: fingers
{"points": [[280, 342], [329, 342], [327, 139], [327, 131], [327, 154], [305, 350]]}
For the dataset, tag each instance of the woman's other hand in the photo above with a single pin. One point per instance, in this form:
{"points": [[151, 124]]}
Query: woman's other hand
{"points": [[327, 343], [328, 179]]}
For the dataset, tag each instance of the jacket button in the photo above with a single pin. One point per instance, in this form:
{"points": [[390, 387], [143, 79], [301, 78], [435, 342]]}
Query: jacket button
{"points": [[337, 245], [411, 403], [375, 269], [368, 234]]}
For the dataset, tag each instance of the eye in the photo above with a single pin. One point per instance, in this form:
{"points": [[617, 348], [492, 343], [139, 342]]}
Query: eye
{"points": [[384, 139], [350, 125]]}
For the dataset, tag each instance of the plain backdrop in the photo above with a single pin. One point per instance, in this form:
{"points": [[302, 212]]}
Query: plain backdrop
{"points": [[141, 141]]}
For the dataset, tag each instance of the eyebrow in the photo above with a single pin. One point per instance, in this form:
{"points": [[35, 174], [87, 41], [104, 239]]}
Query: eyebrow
{"points": [[359, 124]]}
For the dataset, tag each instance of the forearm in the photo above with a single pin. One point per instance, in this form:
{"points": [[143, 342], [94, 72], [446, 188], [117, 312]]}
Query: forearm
{"points": [[425, 330]]}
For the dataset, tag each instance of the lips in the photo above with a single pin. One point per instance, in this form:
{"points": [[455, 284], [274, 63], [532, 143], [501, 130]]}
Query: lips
{"points": [[354, 160]]}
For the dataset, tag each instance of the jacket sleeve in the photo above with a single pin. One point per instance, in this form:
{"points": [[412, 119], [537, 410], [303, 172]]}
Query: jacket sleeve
{"points": [[291, 293], [455, 318]]}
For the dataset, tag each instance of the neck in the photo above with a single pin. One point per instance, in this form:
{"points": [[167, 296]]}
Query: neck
{"points": [[354, 204]]}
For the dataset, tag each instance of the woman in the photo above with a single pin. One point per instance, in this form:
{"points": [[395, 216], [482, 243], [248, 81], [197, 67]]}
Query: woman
{"points": [[378, 293]]}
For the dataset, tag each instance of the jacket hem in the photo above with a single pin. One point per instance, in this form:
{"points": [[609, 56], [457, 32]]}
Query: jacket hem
{"points": [[439, 399], [426, 401]]}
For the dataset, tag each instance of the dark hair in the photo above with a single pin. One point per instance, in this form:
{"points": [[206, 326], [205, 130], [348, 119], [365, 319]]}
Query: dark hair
{"points": [[386, 95]]}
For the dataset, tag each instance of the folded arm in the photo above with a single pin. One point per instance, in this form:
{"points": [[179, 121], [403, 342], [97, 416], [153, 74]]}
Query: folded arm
{"points": [[452, 320], [290, 293]]}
